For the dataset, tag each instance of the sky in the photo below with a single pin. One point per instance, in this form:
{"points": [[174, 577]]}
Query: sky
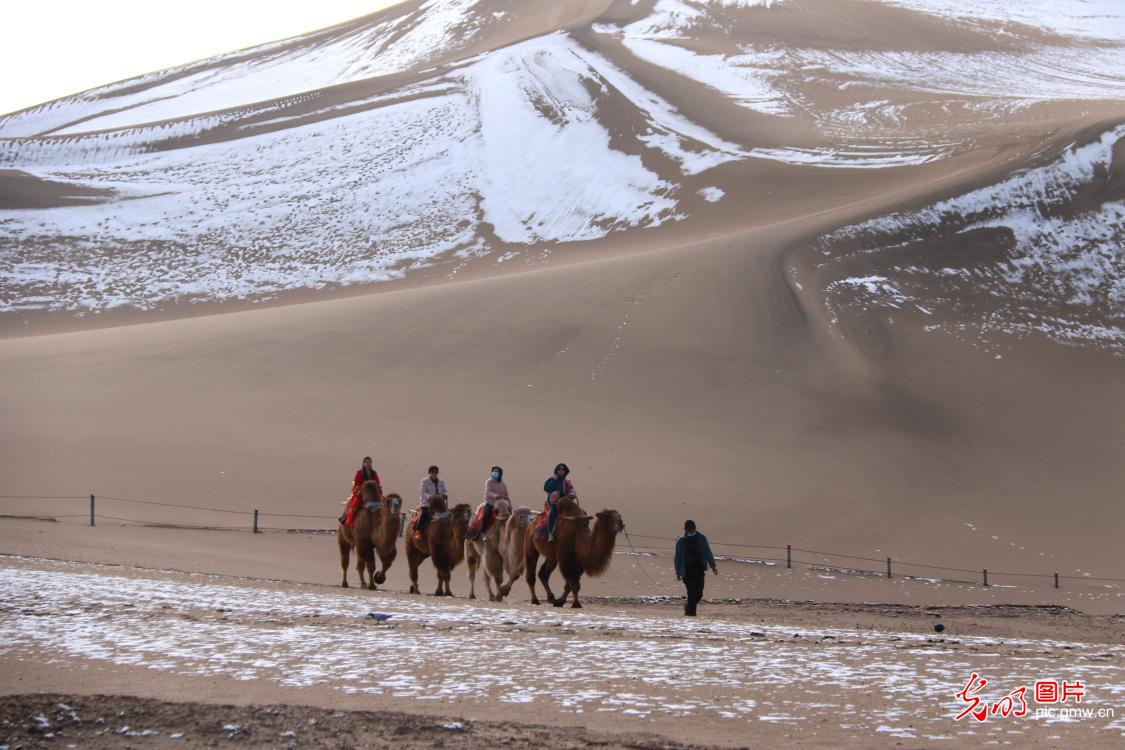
{"points": [[52, 49]]}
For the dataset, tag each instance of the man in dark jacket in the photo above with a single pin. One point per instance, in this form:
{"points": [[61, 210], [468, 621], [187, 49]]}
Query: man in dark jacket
{"points": [[693, 557]]}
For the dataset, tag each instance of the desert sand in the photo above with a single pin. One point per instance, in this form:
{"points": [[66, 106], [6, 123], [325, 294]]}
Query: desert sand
{"points": [[842, 276]]}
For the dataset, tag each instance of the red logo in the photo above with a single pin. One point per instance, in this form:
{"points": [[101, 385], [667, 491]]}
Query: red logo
{"points": [[1014, 703]]}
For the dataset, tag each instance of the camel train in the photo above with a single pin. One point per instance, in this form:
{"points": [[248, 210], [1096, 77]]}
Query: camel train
{"points": [[512, 549]]}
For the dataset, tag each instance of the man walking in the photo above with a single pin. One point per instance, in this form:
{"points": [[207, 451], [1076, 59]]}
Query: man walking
{"points": [[693, 557]]}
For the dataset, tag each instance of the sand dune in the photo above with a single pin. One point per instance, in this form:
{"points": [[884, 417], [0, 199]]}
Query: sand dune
{"points": [[879, 286], [840, 274], [435, 139]]}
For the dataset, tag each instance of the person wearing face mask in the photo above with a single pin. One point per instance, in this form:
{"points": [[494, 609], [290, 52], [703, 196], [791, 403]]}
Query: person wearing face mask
{"points": [[557, 487], [693, 557], [431, 486], [494, 489]]}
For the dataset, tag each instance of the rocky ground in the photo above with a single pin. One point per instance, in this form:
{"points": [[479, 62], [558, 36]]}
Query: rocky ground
{"points": [[116, 721]]}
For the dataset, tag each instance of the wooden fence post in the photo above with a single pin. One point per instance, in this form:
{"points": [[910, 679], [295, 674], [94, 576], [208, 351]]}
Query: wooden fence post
{"points": [[789, 555], [91, 510], [256, 522], [888, 567], [1056, 580], [985, 571]]}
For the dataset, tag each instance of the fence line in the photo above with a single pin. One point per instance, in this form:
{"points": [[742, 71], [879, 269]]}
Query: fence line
{"points": [[788, 559], [42, 497]]}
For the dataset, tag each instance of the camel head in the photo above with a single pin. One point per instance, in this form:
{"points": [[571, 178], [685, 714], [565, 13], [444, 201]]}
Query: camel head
{"points": [[611, 519], [463, 513], [393, 504], [521, 518]]}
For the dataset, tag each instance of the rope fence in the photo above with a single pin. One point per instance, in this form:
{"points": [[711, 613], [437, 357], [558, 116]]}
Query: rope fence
{"points": [[256, 515]]}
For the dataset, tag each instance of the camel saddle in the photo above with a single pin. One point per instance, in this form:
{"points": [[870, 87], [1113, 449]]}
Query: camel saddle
{"points": [[417, 513], [476, 527], [540, 526]]}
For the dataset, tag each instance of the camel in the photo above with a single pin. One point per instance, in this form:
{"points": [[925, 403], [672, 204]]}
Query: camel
{"points": [[374, 531], [501, 553], [577, 549], [443, 541]]}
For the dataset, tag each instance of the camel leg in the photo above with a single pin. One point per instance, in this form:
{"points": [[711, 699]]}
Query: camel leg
{"points": [[369, 563], [531, 558], [506, 587], [345, 558], [440, 581], [385, 564], [566, 592], [574, 587], [360, 567], [413, 560], [472, 560], [544, 577], [443, 577], [492, 597]]}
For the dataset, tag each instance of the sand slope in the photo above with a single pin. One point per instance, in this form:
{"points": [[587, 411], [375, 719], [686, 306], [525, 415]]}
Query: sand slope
{"points": [[877, 311]]}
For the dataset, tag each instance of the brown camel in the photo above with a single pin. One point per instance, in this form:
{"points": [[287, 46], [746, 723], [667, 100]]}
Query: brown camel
{"points": [[501, 553], [375, 530], [443, 541], [577, 549]]}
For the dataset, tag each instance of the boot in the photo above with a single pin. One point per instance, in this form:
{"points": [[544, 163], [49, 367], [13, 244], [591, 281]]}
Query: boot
{"points": [[423, 519], [485, 523]]}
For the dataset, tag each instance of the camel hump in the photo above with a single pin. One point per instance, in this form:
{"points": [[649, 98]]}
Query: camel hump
{"points": [[370, 491], [569, 506], [439, 503]]}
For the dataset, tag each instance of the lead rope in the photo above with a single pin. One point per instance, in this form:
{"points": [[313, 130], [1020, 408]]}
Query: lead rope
{"points": [[638, 555]]}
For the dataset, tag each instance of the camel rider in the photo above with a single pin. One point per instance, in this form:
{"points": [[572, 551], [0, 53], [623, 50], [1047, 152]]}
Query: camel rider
{"points": [[494, 489], [366, 473], [557, 487], [431, 486]]}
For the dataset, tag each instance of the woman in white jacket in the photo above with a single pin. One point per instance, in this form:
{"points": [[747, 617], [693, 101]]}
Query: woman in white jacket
{"points": [[431, 486]]}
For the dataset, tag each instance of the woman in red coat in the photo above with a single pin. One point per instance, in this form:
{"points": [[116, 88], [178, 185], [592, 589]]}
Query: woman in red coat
{"points": [[366, 473]]}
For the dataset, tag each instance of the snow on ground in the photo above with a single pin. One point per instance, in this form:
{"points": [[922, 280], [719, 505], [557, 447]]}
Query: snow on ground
{"points": [[749, 78], [619, 663], [1066, 260], [1097, 19], [972, 86], [286, 69], [1042, 73], [510, 145], [518, 147]]}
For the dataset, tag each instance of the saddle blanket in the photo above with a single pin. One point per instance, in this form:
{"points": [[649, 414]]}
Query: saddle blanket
{"points": [[476, 526], [540, 526]]}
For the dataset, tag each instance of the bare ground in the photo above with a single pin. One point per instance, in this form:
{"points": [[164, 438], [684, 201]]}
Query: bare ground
{"points": [[116, 721]]}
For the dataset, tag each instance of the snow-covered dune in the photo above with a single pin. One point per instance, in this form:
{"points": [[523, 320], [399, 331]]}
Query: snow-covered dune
{"points": [[1058, 268], [450, 132], [510, 149]]}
